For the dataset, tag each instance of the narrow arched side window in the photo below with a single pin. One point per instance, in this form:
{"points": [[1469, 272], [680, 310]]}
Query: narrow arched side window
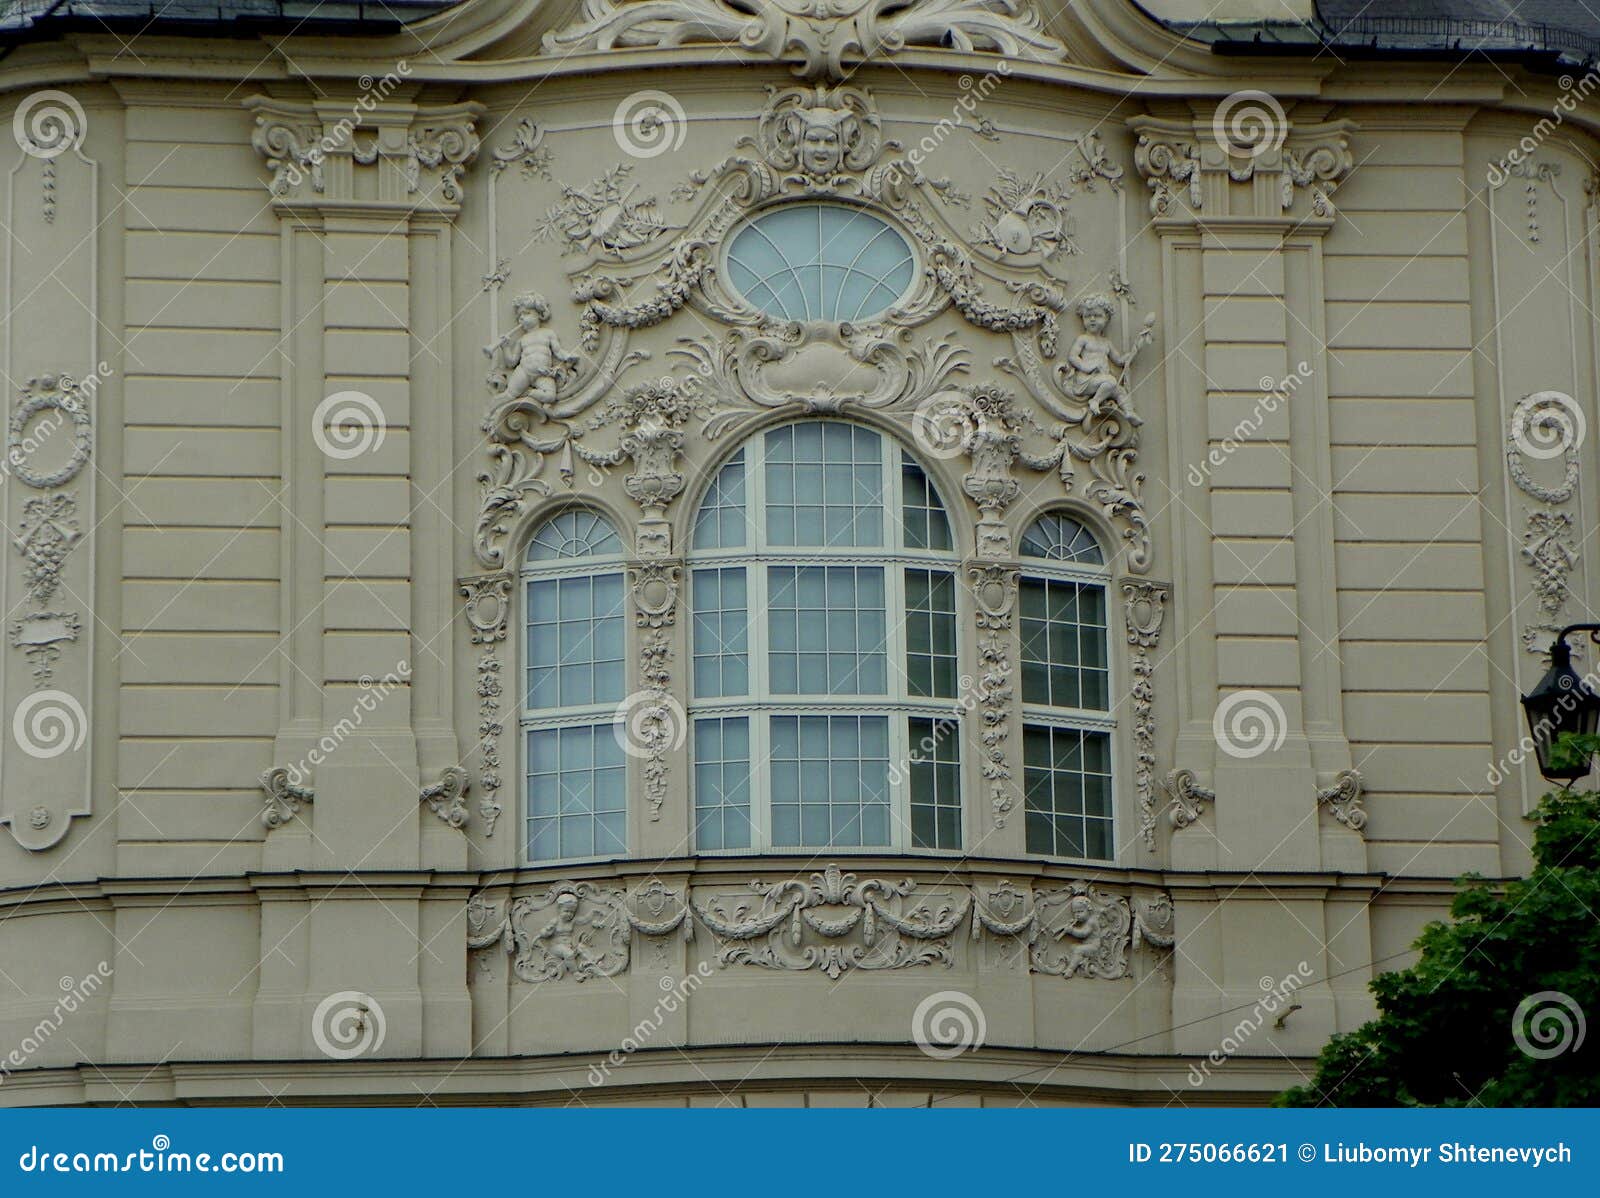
{"points": [[822, 587], [573, 677], [1066, 687]]}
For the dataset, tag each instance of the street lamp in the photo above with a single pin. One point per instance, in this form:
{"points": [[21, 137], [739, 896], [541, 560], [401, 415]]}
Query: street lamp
{"points": [[1561, 703]]}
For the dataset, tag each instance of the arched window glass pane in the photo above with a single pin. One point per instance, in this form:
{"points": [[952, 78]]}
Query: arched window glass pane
{"points": [[1061, 539], [575, 533], [1067, 776], [824, 485], [721, 521], [820, 262], [1064, 644], [926, 525], [574, 675], [825, 649]]}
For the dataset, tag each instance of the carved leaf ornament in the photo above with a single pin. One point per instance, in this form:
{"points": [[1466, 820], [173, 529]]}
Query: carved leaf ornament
{"points": [[832, 921], [554, 410]]}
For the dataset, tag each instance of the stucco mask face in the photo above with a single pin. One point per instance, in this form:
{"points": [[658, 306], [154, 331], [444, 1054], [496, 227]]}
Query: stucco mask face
{"points": [[821, 143]]}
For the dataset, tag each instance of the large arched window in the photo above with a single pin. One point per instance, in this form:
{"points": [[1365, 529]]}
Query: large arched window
{"points": [[574, 676], [824, 643], [1066, 688]]}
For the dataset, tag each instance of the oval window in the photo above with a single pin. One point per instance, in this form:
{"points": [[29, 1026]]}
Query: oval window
{"points": [[820, 262]]}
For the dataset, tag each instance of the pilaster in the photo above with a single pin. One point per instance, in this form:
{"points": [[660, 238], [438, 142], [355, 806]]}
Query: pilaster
{"points": [[1241, 207], [366, 188]]}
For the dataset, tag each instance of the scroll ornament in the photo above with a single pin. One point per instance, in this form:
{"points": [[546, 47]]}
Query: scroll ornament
{"points": [[421, 166], [817, 141], [284, 797], [1343, 800], [1187, 797], [796, 925], [832, 921], [446, 798], [826, 39]]}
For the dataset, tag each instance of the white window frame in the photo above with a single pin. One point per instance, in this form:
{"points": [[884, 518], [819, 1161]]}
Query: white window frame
{"points": [[759, 704], [1075, 718], [596, 714]]}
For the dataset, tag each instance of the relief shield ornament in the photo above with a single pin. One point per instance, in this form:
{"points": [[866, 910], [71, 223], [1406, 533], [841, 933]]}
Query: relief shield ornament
{"points": [[574, 931], [831, 921]]}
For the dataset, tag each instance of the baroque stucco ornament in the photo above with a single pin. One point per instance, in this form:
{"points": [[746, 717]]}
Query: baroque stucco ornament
{"points": [[811, 141], [831, 921], [284, 797], [1144, 613], [415, 160], [822, 37], [1074, 931], [487, 610], [571, 931]]}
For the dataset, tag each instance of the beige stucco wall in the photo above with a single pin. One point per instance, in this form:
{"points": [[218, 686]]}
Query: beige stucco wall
{"points": [[1354, 565]]}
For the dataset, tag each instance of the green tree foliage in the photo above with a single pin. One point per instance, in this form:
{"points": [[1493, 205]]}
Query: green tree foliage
{"points": [[1444, 1034]]}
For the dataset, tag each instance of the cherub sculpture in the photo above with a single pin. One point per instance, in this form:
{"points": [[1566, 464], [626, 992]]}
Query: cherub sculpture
{"points": [[1096, 370], [532, 353]]}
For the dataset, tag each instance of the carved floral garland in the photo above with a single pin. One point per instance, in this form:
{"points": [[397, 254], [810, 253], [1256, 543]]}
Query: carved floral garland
{"points": [[815, 141], [832, 921]]}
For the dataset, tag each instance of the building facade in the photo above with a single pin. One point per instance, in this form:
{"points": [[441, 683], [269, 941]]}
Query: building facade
{"points": [[681, 551]]}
